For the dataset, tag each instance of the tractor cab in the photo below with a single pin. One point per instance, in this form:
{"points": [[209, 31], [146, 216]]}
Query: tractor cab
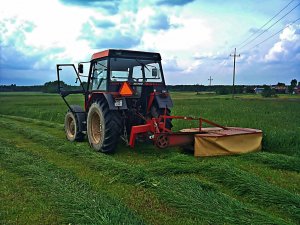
{"points": [[142, 72]]}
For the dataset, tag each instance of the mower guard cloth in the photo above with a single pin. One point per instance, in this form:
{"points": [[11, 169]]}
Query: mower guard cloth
{"points": [[228, 142]]}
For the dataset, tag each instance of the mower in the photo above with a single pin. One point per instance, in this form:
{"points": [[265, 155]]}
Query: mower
{"points": [[126, 97]]}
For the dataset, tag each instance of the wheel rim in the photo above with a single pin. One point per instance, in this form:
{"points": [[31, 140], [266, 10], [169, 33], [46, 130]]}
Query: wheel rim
{"points": [[162, 141], [96, 128], [70, 127]]}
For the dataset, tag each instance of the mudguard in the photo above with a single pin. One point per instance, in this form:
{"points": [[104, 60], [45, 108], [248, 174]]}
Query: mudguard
{"points": [[80, 116], [164, 101], [111, 102]]}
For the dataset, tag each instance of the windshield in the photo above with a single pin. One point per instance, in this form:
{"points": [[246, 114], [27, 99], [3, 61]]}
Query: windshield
{"points": [[135, 70]]}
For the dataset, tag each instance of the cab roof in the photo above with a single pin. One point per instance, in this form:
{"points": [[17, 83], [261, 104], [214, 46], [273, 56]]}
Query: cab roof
{"points": [[126, 54]]}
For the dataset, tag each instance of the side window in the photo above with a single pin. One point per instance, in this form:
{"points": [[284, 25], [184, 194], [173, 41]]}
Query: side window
{"points": [[99, 75], [152, 72]]}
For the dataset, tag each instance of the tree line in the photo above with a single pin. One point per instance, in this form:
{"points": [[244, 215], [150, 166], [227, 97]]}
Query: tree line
{"points": [[52, 87], [48, 87]]}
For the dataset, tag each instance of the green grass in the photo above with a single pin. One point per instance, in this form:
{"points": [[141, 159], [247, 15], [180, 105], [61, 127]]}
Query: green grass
{"points": [[44, 179]]}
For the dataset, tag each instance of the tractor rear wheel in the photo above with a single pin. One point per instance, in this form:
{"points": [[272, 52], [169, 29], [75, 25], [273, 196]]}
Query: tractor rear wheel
{"points": [[103, 127], [72, 129]]}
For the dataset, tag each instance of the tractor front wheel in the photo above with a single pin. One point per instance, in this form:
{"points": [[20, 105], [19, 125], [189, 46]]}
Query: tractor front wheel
{"points": [[72, 130], [103, 127]]}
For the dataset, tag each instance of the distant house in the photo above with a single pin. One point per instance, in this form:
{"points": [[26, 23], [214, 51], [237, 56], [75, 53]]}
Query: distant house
{"points": [[280, 89], [258, 90], [297, 90]]}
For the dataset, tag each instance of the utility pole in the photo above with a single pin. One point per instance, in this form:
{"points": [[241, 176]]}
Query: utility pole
{"points": [[210, 79], [234, 56]]}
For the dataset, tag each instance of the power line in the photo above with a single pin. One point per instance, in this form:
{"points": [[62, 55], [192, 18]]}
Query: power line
{"points": [[220, 66], [270, 26], [273, 35], [266, 23]]}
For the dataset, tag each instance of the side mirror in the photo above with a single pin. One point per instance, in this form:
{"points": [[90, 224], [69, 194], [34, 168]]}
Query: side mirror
{"points": [[80, 68], [154, 72]]}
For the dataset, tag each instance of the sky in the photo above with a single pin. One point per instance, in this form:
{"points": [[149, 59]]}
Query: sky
{"points": [[194, 37]]}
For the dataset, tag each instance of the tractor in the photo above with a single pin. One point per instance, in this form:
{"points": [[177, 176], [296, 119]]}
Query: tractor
{"points": [[124, 89], [126, 97]]}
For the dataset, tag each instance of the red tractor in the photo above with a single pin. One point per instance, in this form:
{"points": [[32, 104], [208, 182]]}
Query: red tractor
{"points": [[124, 89], [125, 94]]}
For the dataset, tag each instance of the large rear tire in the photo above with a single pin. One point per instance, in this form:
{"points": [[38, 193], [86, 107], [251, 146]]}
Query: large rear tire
{"points": [[103, 127], [72, 127]]}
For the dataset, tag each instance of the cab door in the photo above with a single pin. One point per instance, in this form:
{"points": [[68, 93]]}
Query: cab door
{"points": [[98, 78]]}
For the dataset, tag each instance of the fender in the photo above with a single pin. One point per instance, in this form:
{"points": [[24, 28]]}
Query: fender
{"points": [[110, 99], [164, 100], [80, 116], [111, 102]]}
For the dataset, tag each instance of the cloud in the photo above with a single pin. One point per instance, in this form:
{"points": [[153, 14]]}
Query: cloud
{"points": [[171, 65], [174, 2], [211, 56], [38, 34], [110, 6], [103, 23], [116, 39], [110, 38], [159, 22], [21, 63], [287, 48]]}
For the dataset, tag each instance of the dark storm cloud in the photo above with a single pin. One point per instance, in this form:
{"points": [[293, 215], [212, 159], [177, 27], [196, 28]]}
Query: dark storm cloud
{"points": [[15, 59], [111, 6], [174, 2]]}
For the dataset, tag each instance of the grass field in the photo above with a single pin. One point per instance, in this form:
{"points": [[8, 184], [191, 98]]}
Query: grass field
{"points": [[44, 179]]}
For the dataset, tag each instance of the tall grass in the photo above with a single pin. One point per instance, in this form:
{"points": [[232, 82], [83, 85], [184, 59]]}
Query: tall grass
{"points": [[146, 185], [76, 201]]}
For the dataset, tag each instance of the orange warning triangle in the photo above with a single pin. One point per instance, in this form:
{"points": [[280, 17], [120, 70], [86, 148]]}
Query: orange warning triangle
{"points": [[126, 90]]}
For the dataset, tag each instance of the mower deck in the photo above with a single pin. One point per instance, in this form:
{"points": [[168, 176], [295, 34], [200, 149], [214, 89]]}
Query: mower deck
{"points": [[215, 141]]}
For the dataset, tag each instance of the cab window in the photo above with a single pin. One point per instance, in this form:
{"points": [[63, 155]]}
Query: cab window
{"points": [[99, 75]]}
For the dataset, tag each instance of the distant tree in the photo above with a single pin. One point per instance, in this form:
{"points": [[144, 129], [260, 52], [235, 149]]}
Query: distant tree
{"points": [[268, 92], [292, 86], [223, 90], [294, 82], [239, 89], [249, 90], [84, 84], [52, 86], [281, 84]]}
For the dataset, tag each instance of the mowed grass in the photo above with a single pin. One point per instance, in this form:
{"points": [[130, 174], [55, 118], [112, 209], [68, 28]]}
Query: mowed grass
{"points": [[44, 179]]}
